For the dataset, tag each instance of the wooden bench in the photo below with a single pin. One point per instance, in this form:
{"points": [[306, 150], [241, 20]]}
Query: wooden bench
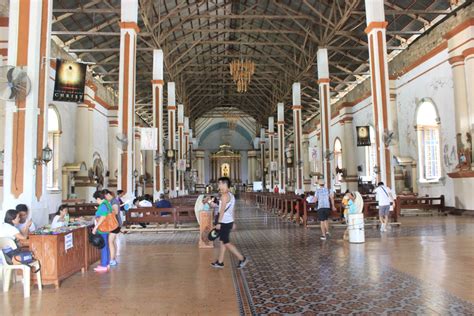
{"points": [[175, 216], [83, 209], [415, 202]]}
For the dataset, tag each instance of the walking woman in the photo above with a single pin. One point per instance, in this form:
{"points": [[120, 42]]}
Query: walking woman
{"points": [[102, 211]]}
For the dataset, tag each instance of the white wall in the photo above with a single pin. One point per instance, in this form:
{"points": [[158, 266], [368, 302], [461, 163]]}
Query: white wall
{"points": [[432, 79]]}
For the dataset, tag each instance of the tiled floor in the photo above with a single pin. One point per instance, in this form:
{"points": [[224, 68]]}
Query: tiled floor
{"points": [[423, 267]]}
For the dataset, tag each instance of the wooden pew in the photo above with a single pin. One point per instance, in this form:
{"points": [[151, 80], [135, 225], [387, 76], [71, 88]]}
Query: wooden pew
{"points": [[83, 209], [415, 202], [151, 215]]}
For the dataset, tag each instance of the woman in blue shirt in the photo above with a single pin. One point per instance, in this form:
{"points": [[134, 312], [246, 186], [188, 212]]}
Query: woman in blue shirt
{"points": [[102, 211]]}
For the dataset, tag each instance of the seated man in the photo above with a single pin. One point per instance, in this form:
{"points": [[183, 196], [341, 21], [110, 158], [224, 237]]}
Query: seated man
{"points": [[163, 203], [26, 225]]}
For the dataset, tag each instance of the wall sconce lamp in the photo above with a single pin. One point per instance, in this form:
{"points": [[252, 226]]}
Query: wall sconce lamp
{"points": [[46, 156]]}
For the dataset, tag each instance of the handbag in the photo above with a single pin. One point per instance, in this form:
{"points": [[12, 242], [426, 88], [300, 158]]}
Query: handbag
{"points": [[25, 257], [110, 223]]}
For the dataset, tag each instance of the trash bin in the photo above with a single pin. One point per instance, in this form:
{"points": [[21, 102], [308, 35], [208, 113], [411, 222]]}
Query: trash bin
{"points": [[356, 228]]}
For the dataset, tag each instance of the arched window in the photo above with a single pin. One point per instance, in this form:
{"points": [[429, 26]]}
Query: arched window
{"points": [[371, 156], [338, 158], [427, 127], [54, 133]]}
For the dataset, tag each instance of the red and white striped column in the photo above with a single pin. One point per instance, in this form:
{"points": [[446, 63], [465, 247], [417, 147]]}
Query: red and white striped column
{"points": [[325, 106], [298, 132], [29, 36], [271, 139], [281, 148], [172, 135], [262, 158], [126, 102], [376, 30], [157, 84]]}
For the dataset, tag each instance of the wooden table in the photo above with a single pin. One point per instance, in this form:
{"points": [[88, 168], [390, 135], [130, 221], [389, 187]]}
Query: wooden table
{"points": [[57, 262]]}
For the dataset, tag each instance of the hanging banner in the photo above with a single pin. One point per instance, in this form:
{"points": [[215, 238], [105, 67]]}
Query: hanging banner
{"points": [[181, 164], [70, 81], [313, 153], [148, 138], [363, 136], [273, 166]]}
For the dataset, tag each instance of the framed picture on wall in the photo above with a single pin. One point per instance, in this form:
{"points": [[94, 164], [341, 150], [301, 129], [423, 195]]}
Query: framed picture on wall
{"points": [[363, 136], [70, 81]]}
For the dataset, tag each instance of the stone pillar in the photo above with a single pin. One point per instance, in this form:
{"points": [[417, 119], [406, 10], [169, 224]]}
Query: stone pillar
{"points": [[271, 139], [468, 54], [306, 164], [348, 155], [281, 148], [252, 157], [298, 132], [262, 158], [113, 149], [461, 57], [376, 29], [29, 36], [171, 134], [325, 105], [395, 149], [181, 149], [200, 166], [157, 86], [127, 75], [187, 149], [138, 167]]}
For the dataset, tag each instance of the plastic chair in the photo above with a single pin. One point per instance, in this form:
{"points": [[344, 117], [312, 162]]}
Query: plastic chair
{"points": [[7, 269]]}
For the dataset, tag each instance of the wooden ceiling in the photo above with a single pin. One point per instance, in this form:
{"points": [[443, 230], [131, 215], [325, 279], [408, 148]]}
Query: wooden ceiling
{"points": [[200, 38]]}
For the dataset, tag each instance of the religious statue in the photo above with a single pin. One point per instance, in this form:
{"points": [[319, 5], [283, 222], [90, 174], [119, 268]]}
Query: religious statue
{"points": [[465, 155], [225, 170]]}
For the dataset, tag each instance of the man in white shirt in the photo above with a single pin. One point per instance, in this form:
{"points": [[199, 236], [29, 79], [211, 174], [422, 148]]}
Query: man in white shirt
{"points": [[311, 198], [26, 224], [385, 199]]}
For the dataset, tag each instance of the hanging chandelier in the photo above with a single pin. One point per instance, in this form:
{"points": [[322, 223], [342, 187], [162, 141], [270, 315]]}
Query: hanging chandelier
{"points": [[231, 121], [242, 72]]}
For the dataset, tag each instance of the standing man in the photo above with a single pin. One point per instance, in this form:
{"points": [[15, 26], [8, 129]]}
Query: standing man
{"points": [[385, 199], [325, 199], [225, 223]]}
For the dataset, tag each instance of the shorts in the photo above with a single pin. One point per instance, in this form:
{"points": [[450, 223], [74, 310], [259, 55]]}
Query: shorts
{"points": [[384, 210], [323, 214], [224, 233], [116, 230]]}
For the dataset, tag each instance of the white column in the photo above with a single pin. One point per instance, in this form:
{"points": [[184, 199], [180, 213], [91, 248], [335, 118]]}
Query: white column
{"points": [[181, 149], [112, 146], [158, 172], [271, 139], [128, 45], [298, 132], [186, 148], [172, 134], [348, 154], [468, 55], [325, 106], [306, 164], [137, 163], [262, 158], [376, 29], [29, 36], [281, 148]]}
